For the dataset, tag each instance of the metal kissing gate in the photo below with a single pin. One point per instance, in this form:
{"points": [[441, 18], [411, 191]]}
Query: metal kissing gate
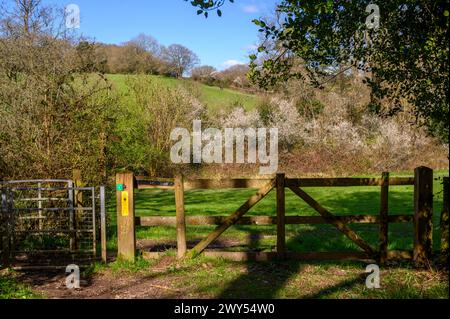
{"points": [[51, 223]]}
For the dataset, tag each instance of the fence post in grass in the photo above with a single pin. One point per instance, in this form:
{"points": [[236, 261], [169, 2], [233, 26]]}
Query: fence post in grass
{"points": [[281, 216], [126, 238], [444, 224], [181, 218], [103, 223], [384, 218], [423, 215]]}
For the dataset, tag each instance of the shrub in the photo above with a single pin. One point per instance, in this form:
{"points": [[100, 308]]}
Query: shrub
{"points": [[53, 111], [149, 112]]}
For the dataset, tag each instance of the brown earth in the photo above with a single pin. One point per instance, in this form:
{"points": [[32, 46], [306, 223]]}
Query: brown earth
{"points": [[106, 284]]}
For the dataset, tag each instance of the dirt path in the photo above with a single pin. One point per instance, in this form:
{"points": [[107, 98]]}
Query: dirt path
{"points": [[106, 284], [156, 283]]}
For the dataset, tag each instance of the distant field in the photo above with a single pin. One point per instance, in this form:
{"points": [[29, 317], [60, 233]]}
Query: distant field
{"points": [[212, 97]]}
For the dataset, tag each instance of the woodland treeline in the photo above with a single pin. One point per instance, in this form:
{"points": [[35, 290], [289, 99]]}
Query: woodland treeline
{"points": [[145, 55], [59, 111]]}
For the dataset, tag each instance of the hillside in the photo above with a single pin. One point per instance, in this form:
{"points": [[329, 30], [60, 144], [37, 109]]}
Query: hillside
{"points": [[211, 96]]}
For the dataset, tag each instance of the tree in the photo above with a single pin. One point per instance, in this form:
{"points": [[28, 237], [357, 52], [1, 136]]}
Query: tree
{"points": [[144, 55], [180, 59], [148, 44], [203, 74], [406, 58], [235, 76], [27, 17], [50, 80], [206, 6]]}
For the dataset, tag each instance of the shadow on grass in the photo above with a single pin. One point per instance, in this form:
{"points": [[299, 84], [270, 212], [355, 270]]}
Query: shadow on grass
{"points": [[368, 203], [266, 280], [343, 285]]}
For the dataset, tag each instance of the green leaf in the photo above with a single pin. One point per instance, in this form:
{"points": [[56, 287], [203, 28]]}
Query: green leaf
{"points": [[257, 22]]}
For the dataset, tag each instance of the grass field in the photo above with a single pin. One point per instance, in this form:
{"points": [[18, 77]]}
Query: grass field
{"points": [[212, 97]]}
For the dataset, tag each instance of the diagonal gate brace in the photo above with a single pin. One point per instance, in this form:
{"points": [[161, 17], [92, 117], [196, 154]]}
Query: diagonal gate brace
{"points": [[232, 220], [334, 220]]}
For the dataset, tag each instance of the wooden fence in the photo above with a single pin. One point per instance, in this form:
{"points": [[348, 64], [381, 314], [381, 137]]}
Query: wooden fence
{"points": [[422, 217]]}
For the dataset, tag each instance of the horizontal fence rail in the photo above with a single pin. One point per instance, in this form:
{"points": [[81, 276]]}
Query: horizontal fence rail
{"points": [[145, 183], [43, 181]]}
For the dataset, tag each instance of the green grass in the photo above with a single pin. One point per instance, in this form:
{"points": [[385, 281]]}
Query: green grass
{"points": [[221, 279], [302, 238], [120, 266], [212, 97], [10, 288], [223, 99], [290, 279]]}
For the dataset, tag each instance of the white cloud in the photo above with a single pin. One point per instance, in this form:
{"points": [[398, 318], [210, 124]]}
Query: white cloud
{"points": [[250, 8], [230, 63]]}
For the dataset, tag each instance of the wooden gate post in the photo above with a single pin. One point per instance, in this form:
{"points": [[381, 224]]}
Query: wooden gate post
{"points": [[281, 216], [103, 223], [444, 224], [384, 219], [423, 215], [181, 218], [126, 238], [77, 179], [78, 202]]}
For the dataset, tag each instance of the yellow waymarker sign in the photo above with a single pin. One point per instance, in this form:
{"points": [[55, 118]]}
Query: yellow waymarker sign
{"points": [[125, 211]]}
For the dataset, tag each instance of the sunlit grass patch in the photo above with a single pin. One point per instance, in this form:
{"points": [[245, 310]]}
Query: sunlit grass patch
{"points": [[10, 288]]}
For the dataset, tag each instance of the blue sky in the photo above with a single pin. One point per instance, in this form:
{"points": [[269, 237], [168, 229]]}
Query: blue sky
{"points": [[219, 42]]}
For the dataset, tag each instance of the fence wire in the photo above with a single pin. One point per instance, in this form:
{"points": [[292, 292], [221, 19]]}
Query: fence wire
{"points": [[47, 221]]}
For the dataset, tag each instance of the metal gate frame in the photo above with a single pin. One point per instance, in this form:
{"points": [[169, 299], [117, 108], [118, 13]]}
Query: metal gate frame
{"points": [[9, 213]]}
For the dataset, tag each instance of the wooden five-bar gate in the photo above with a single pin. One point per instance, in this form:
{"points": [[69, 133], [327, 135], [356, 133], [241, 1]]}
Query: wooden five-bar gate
{"points": [[422, 217]]}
